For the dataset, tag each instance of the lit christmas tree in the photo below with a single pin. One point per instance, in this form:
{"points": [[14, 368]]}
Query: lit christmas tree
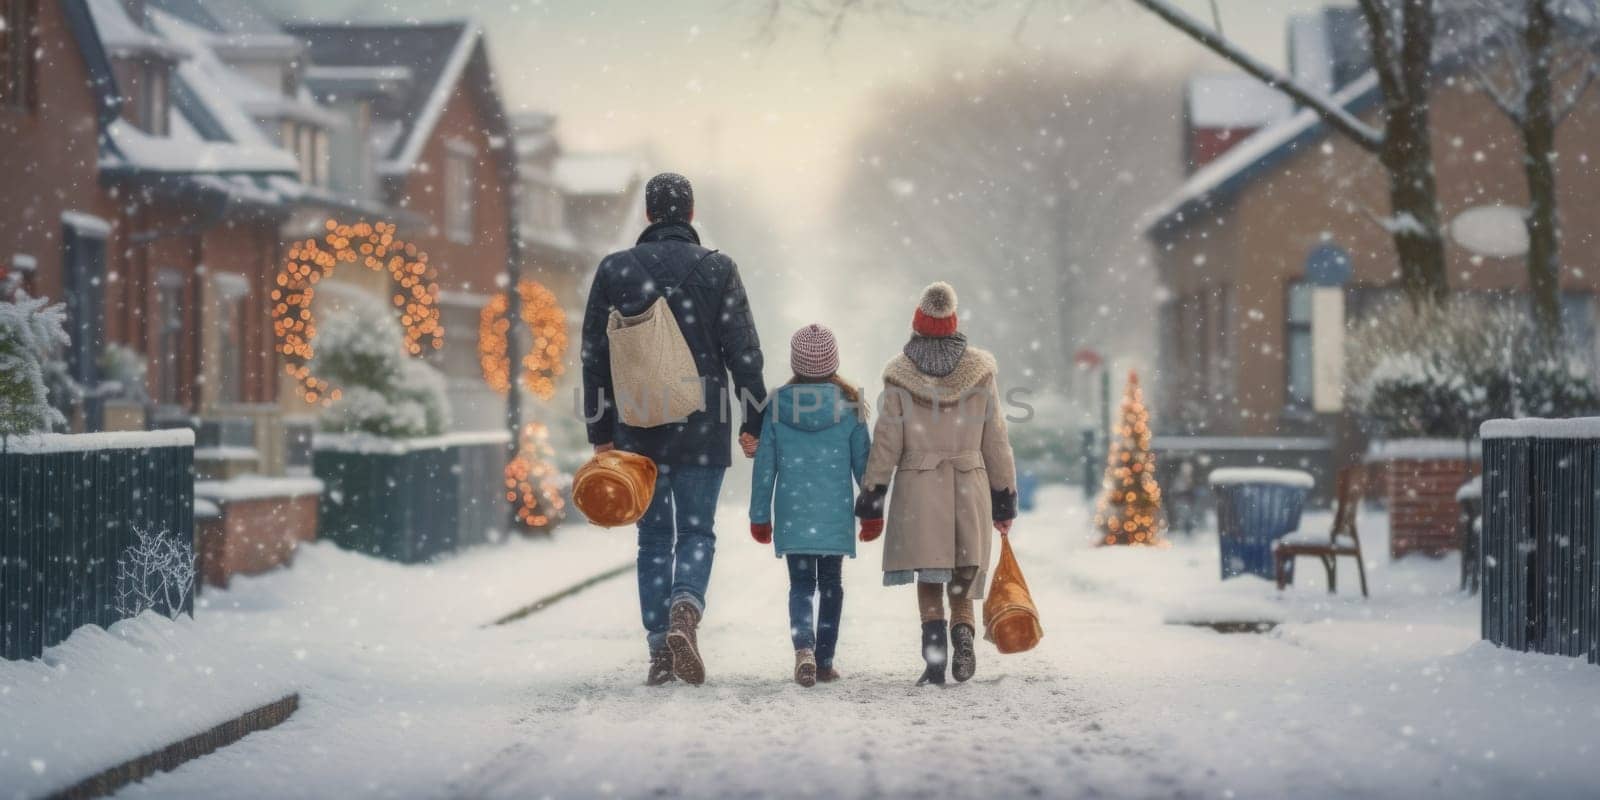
{"points": [[533, 484], [1129, 512]]}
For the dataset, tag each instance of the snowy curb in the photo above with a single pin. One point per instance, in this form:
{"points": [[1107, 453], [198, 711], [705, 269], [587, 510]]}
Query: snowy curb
{"points": [[551, 599], [172, 756], [39, 443], [1535, 428]]}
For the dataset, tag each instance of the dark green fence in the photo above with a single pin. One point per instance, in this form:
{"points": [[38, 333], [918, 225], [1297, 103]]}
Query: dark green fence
{"points": [[68, 509], [410, 501], [1541, 552]]}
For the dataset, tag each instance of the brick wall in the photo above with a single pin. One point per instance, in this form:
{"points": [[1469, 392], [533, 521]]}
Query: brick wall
{"points": [[1421, 495], [254, 536]]}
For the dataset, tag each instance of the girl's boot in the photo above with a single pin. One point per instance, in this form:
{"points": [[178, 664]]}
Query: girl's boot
{"points": [[965, 660], [935, 651]]}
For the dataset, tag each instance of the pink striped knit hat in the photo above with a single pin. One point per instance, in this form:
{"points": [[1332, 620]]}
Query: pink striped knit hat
{"points": [[813, 353]]}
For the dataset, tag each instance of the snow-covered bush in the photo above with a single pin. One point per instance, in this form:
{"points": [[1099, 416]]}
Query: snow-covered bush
{"points": [[156, 574], [31, 333], [1440, 371], [124, 368], [383, 390]]}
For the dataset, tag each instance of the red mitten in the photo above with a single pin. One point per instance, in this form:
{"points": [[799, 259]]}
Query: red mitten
{"points": [[761, 532], [871, 529]]}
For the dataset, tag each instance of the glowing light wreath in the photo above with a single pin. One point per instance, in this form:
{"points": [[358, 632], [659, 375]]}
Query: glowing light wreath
{"points": [[542, 364], [373, 245]]}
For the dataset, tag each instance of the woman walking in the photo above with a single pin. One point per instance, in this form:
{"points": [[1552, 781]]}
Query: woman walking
{"points": [[940, 440], [813, 452]]}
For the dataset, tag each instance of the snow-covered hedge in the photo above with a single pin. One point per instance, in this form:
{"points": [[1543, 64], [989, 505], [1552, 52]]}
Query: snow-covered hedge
{"points": [[1441, 371], [31, 332], [383, 390]]}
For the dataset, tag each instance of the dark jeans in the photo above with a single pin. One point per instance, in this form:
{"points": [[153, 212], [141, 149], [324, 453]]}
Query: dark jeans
{"points": [[808, 577], [677, 544]]}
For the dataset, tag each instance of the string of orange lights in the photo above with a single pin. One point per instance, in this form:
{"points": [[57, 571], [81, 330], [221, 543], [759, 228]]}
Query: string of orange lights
{"points": [[374, 246]]}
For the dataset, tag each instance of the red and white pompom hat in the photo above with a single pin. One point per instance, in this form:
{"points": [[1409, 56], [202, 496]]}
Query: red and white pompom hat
{"points": [[936, 314]]}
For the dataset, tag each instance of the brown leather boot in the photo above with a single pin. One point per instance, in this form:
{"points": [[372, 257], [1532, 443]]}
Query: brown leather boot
{"points": [[827, 674], [805, 668], [660, 668], [684, 643]]}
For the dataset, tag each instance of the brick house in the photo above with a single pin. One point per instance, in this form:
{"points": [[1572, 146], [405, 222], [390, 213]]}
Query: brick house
{"points": [[1272, 245], [441, 141]]}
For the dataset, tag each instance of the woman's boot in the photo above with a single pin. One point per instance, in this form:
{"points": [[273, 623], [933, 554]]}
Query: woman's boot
{"points": [[964, 662], [805, 668], [935, 651]]}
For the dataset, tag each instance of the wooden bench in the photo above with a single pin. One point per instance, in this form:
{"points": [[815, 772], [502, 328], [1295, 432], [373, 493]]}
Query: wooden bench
{"points": [[1341, 540]]}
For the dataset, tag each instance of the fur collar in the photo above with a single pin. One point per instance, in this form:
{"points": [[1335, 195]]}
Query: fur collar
{"points": [[975, 367]]}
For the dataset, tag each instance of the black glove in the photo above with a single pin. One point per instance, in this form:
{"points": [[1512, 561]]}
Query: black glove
{"points": [[869, 504], [1004, 502]]}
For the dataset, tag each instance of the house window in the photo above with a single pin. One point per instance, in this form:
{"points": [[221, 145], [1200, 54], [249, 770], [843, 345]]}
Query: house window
{"points": [[155, 99], [460, 190], [19, 54], [231, 291], [1298, 346], [169, 335]]}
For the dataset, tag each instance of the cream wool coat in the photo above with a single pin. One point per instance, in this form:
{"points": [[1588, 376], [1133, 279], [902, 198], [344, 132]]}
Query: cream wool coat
{"points": [[941, 443]]}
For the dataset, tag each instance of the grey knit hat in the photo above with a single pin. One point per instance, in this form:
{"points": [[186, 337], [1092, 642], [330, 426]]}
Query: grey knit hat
{"points": [[813, 352]]}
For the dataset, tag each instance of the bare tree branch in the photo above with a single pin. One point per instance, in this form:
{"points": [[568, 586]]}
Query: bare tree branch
{"points": [[1337, 117]]}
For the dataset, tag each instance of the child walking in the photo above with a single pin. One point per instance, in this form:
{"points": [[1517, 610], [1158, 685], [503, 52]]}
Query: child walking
{"points": [[941, 444], [813, 453]]}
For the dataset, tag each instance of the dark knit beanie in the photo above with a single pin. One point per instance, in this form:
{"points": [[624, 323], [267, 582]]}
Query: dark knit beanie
{"points": [[668, 197]]}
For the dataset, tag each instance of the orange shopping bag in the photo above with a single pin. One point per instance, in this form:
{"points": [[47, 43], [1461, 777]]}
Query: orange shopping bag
{"points": [[1010, 619]]}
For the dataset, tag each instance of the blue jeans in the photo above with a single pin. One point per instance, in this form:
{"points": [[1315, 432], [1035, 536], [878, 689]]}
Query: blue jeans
{"points": [[677, 544], [810, 576]]}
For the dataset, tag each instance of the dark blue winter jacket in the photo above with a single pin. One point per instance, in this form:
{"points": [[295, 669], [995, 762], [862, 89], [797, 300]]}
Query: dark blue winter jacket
{"points": [[813, 453], [709, 303]]}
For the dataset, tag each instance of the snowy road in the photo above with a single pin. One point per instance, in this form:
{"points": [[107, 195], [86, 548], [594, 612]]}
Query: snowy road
{"points": [[1392, 698]]}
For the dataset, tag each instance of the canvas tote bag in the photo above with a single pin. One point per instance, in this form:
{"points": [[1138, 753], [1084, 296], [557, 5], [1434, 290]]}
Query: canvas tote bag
{"points": [[652, 370], [1010, 619]]}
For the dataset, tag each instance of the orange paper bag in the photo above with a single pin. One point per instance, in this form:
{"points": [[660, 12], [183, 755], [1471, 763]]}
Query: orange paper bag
{"points": [[1010, 619]]}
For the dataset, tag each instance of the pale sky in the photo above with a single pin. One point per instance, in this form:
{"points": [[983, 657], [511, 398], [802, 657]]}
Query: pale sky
{"points": [[693, 83]]}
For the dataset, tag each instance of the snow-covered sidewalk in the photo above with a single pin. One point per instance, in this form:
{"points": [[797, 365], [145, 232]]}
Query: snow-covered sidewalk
{"points": [[404, 694]]}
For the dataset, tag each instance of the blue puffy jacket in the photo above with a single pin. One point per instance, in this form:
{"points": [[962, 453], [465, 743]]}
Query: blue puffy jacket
{"points": [[812, 455]]}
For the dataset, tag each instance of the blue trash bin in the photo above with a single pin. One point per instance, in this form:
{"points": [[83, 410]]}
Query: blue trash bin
{"points": [[1256, 507], [1027, 489]]}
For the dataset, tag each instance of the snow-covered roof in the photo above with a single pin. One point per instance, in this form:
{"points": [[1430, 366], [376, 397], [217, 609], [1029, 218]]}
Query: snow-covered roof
{"points": [[438, 54], [583, 174], [1258, 152], [222, 95], [140, 150], [1233, 100], [122, 36], [1278, 477]]}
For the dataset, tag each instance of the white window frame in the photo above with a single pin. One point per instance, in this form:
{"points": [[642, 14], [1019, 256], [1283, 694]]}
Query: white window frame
{"points": [[230, 292], [460, 190]]}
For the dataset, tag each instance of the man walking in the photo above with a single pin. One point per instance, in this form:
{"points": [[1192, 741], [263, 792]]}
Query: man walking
{"points": [[707, 298]]}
